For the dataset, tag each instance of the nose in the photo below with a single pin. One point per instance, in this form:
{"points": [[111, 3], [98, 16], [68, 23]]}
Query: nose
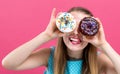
{"points": [[77, 26]]}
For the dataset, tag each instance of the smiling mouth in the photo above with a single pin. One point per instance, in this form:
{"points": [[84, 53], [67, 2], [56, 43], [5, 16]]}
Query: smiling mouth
{"points": [[75, 41]]}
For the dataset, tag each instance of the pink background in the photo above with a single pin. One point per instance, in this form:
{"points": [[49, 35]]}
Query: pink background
{"points": [[21, 20]]}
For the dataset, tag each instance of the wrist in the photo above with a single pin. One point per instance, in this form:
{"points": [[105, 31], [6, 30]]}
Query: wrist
{"points": [[46, 36], [103, 45]]}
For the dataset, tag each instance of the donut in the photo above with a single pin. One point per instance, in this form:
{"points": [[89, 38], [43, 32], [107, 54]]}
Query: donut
{"points": [[65, 22], [88, 26]]}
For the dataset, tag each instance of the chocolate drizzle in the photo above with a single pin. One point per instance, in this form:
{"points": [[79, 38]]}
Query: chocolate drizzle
{"points": [[88, 26]]}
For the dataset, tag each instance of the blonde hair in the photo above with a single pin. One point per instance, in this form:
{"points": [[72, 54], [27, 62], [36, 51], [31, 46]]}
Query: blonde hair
{"points": [[89, 57]]}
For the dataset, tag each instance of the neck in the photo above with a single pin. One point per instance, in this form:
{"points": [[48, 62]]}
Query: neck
{"points": [[74, 55]]}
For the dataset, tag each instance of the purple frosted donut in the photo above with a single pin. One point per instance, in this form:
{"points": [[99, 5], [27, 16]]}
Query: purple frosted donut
{"points": [[88, 26]]}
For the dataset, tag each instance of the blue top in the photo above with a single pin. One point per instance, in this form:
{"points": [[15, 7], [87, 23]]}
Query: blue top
{"points": [[72, 67]]}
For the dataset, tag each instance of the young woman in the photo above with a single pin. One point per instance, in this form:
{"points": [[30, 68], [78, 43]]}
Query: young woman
{"points": [[74, 53]]}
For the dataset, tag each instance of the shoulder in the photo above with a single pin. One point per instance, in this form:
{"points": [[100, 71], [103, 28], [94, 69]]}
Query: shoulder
{"points": [[104, 63]]}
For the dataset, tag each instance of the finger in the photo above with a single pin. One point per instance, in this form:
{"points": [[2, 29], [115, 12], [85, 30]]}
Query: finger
{"points": [[52, 20], [60, 34], [84, 38], [101, 30], [53, 13]]}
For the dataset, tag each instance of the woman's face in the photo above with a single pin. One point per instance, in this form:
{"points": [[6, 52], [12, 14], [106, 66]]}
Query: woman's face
{"points": [[73, 40]]}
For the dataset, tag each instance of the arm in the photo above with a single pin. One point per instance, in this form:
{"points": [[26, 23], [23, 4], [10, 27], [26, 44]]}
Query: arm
{"points": [[36, 59], [22, 57], [112, 65], [100, 42], [105, 64], [23, 54]]}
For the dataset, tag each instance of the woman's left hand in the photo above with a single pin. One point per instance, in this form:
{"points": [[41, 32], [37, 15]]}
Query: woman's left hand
{"points": [[97, 40]]}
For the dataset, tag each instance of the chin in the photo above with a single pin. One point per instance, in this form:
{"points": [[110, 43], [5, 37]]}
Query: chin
{"points": [[75, 48]]}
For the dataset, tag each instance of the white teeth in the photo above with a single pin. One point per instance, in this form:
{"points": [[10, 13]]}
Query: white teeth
{"points": [[74, 39]]}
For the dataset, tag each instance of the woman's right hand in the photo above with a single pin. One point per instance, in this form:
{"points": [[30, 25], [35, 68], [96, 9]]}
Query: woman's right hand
{"points": [[52, 30]]}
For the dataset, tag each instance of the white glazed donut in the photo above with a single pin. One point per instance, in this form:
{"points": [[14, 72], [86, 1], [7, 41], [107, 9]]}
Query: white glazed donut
{"points": [[65, 22]]}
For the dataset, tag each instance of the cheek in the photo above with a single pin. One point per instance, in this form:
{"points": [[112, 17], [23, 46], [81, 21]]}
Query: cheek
{"points": [[65, 39]]}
